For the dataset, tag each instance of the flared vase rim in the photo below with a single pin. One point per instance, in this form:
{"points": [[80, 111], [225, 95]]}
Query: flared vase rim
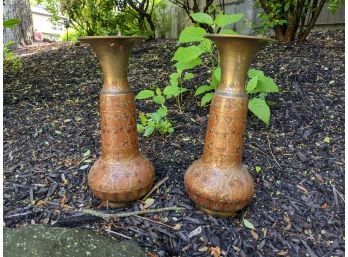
{"points": [[87, 38], [238, 37]]}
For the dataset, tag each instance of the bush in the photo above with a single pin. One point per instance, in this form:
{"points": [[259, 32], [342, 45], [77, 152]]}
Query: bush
{"points": [[71, 35], [10, 59], [161, 18]]}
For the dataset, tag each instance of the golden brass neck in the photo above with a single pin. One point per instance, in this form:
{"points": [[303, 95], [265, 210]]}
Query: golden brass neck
{"points": [[113, 54], [236, 54]]}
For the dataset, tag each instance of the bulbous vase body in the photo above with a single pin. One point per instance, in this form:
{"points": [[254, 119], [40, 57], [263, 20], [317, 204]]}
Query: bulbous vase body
{"points": [[218, 182], [122, 174]]}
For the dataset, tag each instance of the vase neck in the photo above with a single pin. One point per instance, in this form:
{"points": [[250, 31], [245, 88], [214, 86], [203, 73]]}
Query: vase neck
{"points": [[113, 55], [236, 55]]}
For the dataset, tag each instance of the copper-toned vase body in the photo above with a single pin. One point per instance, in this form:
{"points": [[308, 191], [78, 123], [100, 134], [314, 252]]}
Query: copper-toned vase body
{"points": [[121, 175], [218, 182]]}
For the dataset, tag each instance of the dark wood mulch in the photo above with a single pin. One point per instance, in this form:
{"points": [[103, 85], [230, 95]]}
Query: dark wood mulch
{"points": [[51, 119]]}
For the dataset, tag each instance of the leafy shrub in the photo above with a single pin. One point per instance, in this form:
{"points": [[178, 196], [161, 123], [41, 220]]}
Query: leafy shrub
{"points": [[71, 35], [161, 18], [291, 18], [10, 59], [191, 56], [156, 121], [128, 25]]}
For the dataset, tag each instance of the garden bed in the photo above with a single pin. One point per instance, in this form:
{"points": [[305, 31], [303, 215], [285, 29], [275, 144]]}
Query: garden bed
{"points": [[51, 123]]}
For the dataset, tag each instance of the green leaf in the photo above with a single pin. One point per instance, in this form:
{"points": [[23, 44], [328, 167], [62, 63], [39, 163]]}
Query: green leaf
{"points": [[180, 66], [252, 83], [206, 98], [144, 94], [158, 91], [171, 91], [140, 127], [87, 153], [206, 45], [174, 82], [203, 89], [228, 32], [248, 224], [267, 85], [159, 99], [286, 6], [202, 18], [162, 111], [186, 54], [188, 76], [143, 118], [174, 75], [156, 117], [258, 169], [191, 34], [149, 130], [260, 108], [327, 140], [256, 73], [216, 75], [10, 23], [182, 90], [223, 20]]}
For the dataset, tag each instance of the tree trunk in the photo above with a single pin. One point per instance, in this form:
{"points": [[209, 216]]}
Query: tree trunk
{"points": [[152, 25], [312, 21], [23, 33]]}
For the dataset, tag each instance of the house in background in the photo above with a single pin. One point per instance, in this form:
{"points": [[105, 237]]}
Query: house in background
{"points": [[43, 24]]}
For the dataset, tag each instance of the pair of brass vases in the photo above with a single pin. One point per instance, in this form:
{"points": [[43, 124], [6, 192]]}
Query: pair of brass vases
{"points": [[218, 182]]}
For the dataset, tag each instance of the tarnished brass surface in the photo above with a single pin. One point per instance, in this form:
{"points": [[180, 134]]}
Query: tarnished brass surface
{"points": [[218, 182], [121, 175]]}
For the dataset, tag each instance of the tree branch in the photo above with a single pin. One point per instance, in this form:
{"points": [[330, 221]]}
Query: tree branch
{"points": [[108, 216]]}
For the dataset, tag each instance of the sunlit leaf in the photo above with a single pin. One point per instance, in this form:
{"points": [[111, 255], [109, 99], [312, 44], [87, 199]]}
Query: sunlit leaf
{"points": [[260, 108], [202, 18], [248, 224], [191, 34], [145, 94]]}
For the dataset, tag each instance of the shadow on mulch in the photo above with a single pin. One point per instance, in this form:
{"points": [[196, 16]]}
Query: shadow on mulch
{"points": [[51, 119]]}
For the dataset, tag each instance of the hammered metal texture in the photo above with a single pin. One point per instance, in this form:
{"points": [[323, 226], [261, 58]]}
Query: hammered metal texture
{"points": [[218, 182], [122, 174]]}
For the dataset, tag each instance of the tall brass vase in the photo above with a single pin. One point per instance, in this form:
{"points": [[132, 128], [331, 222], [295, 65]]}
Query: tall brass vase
{"points": [[121, 175], [218, 182]]}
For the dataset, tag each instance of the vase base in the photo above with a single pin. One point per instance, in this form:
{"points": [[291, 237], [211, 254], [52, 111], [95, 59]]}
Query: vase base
{"points": [[218, 213], [118, 184]]}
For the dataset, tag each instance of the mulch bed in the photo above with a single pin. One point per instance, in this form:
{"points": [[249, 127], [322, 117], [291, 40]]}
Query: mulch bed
{"points": [[51, 119]]}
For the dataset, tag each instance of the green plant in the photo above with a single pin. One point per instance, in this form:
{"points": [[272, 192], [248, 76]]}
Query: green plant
{"points": [[289, 18], [161, 18], [197, 47], [71, 35], [156, 121], [10, 58]]}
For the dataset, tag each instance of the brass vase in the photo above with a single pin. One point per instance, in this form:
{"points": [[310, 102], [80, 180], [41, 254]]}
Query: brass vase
{"points": [[121, 175], [218, 182]]}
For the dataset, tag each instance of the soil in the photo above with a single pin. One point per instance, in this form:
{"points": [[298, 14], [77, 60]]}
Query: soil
{"points": [[51, 123]]}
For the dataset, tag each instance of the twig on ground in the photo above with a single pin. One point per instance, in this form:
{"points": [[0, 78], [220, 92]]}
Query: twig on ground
{"points": [[254, 147], [108, 216], [18, 214], [158, 184], [117, 234], [274, 158], [157, 222]]}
